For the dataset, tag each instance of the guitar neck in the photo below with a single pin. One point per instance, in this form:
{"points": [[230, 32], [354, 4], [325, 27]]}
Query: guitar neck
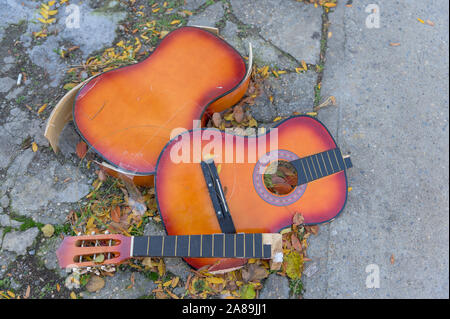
{"points": [[319, 165], [104, 249], [248, 245]]}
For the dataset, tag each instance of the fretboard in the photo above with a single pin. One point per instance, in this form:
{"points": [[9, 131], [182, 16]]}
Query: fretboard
{"points": [[319, 165], [248, 245]]}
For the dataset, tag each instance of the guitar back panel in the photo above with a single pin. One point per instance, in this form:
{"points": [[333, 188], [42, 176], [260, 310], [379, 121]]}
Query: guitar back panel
{"points": [[127, 115]]}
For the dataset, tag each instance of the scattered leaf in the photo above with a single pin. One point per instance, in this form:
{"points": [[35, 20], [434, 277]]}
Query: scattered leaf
{"points": [[254, 272], [81, 149], [295, 242], [73, 295], [294, 265], [27, 292], [215, 280], [42, 108], [95, 283], [297, 219], [392, 259], [99, 258], [304, 66], [238, 113], [48, 230], [69, 86], [217, 119], [115, 214], [247, 292], [34, 147]]}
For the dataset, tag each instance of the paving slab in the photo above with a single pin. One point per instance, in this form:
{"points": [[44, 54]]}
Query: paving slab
{"points": [[392, 115], [293, 27]]}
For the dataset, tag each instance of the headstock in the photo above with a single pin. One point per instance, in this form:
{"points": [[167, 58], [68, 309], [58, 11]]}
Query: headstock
{"points": [[93, 250]]}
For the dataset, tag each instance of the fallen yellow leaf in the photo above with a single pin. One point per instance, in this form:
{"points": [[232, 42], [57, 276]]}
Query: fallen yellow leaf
{"points": [[305, 67], [73, 295], [42, 108], [34, 147], [420, 20], [215, 280]]}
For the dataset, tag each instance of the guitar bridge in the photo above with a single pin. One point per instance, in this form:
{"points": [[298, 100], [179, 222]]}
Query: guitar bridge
{"points": [[217, 196]]}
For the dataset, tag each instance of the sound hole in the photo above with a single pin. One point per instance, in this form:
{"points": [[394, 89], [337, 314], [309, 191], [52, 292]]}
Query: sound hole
{"points": [[280, 177]]}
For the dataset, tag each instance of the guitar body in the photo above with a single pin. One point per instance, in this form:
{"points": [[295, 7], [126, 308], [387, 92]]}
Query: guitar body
{"points": [[185, 203], [127, 114]]}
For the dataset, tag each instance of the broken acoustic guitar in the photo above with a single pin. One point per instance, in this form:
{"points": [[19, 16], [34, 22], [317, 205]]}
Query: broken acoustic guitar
{"points": [[227, 190]]}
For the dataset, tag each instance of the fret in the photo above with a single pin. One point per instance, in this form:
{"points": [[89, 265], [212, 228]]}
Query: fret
{"points": [[302, 179], [328, 165], [176, 242], [189, 246], [318, 165], [311, 164], [309, 169], [253, 238], [201, 245], [324, 165], [329, 159], [140, 246], [333, 161], [337, 161], [339, 158], [267, 253]]}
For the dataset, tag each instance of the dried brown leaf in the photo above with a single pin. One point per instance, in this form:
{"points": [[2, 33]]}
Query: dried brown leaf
{"points": [[217, 119], [81, 149], [297, 219], [238, 113], [282, 188], [295, 242], [116, 214], [95, 283]]}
